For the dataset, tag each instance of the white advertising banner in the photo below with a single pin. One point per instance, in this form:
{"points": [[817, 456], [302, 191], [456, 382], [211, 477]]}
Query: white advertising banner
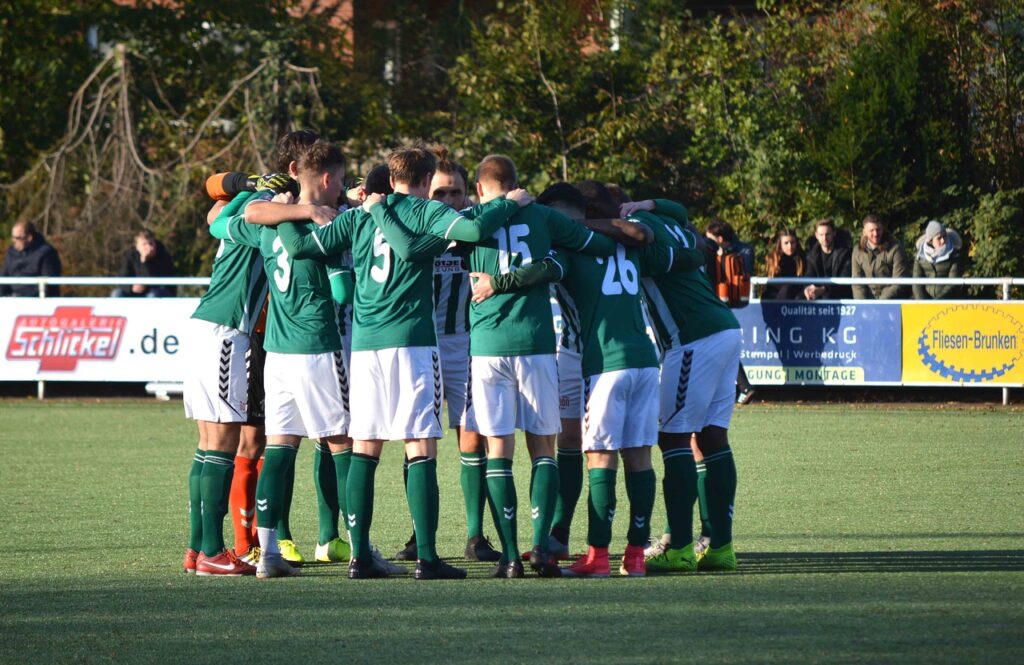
{"points": [[94, 339]]}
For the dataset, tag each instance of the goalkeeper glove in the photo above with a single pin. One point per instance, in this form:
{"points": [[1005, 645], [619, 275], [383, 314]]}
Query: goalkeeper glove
{"points": [[276, 182]]}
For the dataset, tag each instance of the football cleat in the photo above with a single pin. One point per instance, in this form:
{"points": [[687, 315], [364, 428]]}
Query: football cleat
{"points": [[289, 552], [273, 565], [252, 557], [333, 551], [190, 560], [437, 570], [745, 396], [658, 546], [558, 549], [365, 569], [700, 545], [544, 564], [223, 564], [478, 548], [633, 563], [673, 560], [718, 558], [407, 553], [508, 569], [592, 564], [385, 565]]}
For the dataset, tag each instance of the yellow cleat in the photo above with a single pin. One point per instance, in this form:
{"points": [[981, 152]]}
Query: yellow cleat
{"points": [[673, 560], [718, 558], [289, 552], [333, 551]]}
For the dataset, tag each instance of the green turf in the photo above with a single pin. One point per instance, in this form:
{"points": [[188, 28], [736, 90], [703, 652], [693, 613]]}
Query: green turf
{"points": [[864, 535]]}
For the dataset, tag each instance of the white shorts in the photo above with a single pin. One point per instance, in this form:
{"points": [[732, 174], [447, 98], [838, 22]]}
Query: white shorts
{"points": [[307, 395], [621, 409], [398, 394], [216, 388], [698, 383], [454, 351], [515, 391], [570, 384]]}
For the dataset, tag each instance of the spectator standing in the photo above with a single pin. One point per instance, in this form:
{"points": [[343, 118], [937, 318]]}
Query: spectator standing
{"points": [[147, 258], [878, 254], [725, 237], [828, 257], [29, 256], [938, 255], [786, 259]]}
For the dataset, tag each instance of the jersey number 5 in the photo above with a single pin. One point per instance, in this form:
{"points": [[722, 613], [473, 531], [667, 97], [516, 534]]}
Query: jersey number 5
{"points": [[283, 272], [381, 248], [627, 274], [511, 242]]}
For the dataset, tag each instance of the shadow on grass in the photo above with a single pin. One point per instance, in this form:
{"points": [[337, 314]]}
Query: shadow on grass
{"points": [[913, 561]]}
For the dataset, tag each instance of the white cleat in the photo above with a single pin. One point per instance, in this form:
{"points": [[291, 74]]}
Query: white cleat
{"points": [[274, 566], [658, 547], [389, 567]]}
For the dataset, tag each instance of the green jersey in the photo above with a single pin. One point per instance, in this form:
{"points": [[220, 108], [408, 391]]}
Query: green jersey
{"points": [[301, 316], [238, 286], [600, 299], [682, 305], [520, 323], [393, 251]]}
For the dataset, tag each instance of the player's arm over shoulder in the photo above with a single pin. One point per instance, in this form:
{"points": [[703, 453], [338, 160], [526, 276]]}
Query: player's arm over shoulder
{"points": [[310, 241], [406, 244], [573, 236]]}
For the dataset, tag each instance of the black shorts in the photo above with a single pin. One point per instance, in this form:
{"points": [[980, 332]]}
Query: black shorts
{"points": [[256, 358]]}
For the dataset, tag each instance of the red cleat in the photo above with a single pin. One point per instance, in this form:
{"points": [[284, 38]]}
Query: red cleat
{"points": [[190, 560], [593, 564], [225, 563], [633, 563]]}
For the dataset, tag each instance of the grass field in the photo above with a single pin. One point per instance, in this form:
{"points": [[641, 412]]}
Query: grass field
{"points": [[865, 535]]}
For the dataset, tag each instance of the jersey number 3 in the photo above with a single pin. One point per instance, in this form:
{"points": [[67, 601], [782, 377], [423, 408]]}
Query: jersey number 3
{"points": [[627, 275], [283, 271]]}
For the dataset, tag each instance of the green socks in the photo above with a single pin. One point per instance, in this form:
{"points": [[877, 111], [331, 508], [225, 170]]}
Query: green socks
{"points": [[473, 467], [195, 502], [640, 488], [600, 506], [720, 486], [278, 462], [680, 489], [284, 528], [359, 503], [543, 495], [215, 485], [342, 462], [570, 486], [326, 483], [422, 493], [702, 500], [501, 488]]}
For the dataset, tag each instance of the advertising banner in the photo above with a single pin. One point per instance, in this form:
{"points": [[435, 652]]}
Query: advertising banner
{"points": [[963, 343], [94, 339], [808, 343]]}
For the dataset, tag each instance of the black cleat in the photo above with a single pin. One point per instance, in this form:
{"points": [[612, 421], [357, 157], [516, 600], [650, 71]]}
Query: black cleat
{"points": [[407, 553], [544, 564], [478, 548], [510, 570], [437, 570], [365, 569]]}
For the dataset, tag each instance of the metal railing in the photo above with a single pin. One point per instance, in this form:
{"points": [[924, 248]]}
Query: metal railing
{"points": [[1005, 282], [43, 282]]}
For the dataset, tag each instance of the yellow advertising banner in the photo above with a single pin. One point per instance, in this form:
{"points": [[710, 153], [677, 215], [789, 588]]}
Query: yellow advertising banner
{"points": [[963, 343]]}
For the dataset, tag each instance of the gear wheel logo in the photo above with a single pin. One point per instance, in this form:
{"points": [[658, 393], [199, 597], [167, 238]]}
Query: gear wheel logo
{"points": [[971, 343]]}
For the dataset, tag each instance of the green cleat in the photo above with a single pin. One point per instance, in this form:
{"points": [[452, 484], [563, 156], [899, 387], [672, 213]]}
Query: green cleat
{"points": [[673, 560], [333, 551], [289, 552], [718, 558]]}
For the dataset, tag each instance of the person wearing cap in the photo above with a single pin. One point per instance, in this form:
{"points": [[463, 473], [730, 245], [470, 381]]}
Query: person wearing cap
{"points": [[938, 255]]}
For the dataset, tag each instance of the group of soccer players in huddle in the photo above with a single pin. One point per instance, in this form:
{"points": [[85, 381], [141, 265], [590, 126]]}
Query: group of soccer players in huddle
{"points": [[352, 329]]}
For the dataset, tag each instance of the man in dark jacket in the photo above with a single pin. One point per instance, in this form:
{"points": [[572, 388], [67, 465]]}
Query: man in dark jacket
{"points": [[878, 254], [148, 258], [827, 258], [29, 256]]}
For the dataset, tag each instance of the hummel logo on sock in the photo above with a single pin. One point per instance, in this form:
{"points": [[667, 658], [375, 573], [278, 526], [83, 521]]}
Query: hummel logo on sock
{"points": [[510, 512], [639, 521], [351, 520], [611, 514], [261, 504], [535, 512], [730, 511]]}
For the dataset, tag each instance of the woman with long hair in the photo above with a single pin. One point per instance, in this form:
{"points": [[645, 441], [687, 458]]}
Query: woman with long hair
{"points": [[786, 259]]}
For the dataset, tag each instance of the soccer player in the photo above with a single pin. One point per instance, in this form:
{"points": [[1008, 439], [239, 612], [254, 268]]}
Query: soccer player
{"points": [[216, 392], [513, 367], [305, 375], [700, 342], [394, 344], [451, 314]]}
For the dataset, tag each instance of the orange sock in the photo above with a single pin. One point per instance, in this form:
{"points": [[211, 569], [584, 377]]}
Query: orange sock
{"points": [[259, 468], [242, 502]]}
